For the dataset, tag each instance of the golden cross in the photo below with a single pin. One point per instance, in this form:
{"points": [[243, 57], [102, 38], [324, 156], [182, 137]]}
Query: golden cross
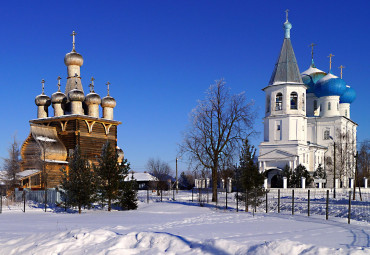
{"points": [[108, 83], [312, 45], [286, 14], [59, 82], [341, 71], [92, 84], [73, 40], [43, 85], [330, 56]]}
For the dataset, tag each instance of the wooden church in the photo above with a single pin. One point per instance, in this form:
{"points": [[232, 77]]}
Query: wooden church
{"points": [[76, 122]]}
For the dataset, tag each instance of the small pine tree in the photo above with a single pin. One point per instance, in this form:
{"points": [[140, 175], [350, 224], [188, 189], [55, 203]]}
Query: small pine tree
{"points": [[128, 199], [299, 172], [320, 173], [110, 174], [251, 180], [78, 182]]}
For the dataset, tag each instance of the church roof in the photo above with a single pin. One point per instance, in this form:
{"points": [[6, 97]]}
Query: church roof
{"points": [[286, 69]]}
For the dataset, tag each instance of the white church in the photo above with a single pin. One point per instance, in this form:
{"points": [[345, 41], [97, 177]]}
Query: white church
{"points": [[307, 115]]}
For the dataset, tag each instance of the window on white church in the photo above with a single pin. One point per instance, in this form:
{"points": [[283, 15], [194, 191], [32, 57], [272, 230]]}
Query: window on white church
{"points": [[294, 101], [278, 127], [303, 102], [326, 134], [279, 101], [315, 105], [329, 106], [338, 106], [346, 113], [268, 104]]}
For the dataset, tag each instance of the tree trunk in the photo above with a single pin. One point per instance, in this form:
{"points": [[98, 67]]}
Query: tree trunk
{"points": [[109, 204], [79, 209], [214, 183]]}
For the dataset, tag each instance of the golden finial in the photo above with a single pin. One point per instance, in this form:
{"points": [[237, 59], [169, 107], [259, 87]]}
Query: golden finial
{"points": [[108, 83], [91, 86], [286, 14], [73, 40], [59, 83], [43, 85], [330, 57], [341, 71]]}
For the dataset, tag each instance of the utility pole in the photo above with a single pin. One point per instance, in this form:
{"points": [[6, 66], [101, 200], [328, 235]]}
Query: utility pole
{"points": [[334, 167], [177, 183]]}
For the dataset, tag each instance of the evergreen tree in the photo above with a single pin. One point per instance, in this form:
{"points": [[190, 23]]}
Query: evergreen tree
{"points": [[299, 172], [251, 180], [128, 199], [78, 181], [110, 174], [287, 172], [319, 173]]}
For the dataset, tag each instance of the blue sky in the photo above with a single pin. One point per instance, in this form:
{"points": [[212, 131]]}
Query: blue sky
{"points": [[161, 56]]}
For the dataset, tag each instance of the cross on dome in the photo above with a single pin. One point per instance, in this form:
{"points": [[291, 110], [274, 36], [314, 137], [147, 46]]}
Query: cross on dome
{"points": [[73, 40], [312, 45], [91, 86], [108, 83], [341, 71], [59, 83], [43, 85], [330, 57], [286, 14]]}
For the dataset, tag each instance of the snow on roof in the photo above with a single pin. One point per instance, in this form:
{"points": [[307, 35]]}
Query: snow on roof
{"points": [[312, 70], [27, 173], [141, 177], [56, 161], [327, 77], [45, 139]]}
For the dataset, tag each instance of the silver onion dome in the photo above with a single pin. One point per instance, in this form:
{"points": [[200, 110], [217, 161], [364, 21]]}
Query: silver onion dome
{"points": [[92, 98], [58, 98], [76, 95], [108, 101], [73, 58], [42, 100]]}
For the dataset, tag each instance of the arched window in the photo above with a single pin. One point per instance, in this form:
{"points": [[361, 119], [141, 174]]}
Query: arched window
{"points": [[294, 101], [338, 106], [329, 106], [315, 105], [303, 108], [279, 102], [326, 134], [268, 104], [346, 112]]}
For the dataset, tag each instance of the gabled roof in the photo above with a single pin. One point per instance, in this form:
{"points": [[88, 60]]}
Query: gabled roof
{"points": [[276, 154], [286, 69]]}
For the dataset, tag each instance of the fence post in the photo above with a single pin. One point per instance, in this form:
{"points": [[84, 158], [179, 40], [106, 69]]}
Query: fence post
{"points": [[24, 200], [246, 201], [237, 200], [278, 200], [266, 203], [147, 194], [161, 194], [1, 201], [192, 195], [255, 200], [173, 195], [292, 201], [308, 206], [349, 208], [327, 204], [226, 199]]}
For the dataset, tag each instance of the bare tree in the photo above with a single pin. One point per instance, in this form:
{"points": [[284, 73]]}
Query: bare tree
{"points": [[345, 153], [218, 125], [161, 170], [12, 165], [364, 159]]}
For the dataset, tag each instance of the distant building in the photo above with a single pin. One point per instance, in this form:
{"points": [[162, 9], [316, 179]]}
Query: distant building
{"points": [[76, 122], [143, 179], [305, 114]]}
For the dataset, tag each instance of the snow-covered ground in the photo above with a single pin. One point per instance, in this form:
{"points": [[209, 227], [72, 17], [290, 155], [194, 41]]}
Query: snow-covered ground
{"points": [[177, 227]]}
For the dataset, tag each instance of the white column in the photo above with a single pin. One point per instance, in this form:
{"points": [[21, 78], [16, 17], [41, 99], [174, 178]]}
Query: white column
{"points": [[230, 185], [337, 183], [365, 182], [285, 183], [303, 180], [320, 184], [207, 183], [351, 182], [265, 183]]}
